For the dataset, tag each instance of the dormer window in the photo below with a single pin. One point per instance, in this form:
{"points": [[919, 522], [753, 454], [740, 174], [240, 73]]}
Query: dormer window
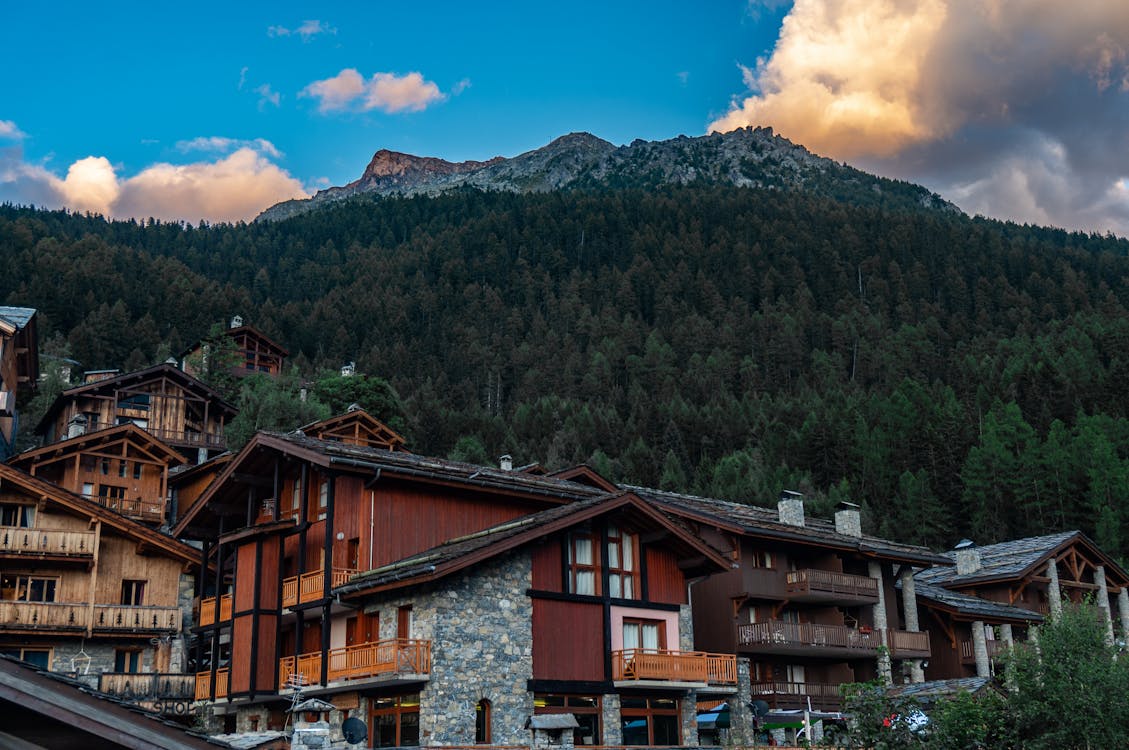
{"points": [[623, 568], [583, 565]]}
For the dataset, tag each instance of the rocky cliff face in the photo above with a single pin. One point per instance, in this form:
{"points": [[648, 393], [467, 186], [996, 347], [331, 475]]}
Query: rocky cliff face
{"points": [[750, 157]]}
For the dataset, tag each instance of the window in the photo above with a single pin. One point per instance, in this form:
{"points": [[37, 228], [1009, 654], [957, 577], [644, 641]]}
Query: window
{"points": [[127, 660], [586, 709], [354, 554], [110, 492], [88, 489], [122, 468], [136, 469], [323, 499], [105, 466], [133, 593], [648, 634], [482, 722], [17, 515], [20, 588], [623, 570], [296, 498], [583, 567], [394, 721], [40, 657], [650, 721], [760, 558], [136, 401]]}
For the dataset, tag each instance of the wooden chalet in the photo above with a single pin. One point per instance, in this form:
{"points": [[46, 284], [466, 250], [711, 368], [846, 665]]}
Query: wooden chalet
{"points": [[356, 427], [1004, 588], [84, 589], [123, 468], [812, 604], [255, 352], [19, 367], [166, 402]]}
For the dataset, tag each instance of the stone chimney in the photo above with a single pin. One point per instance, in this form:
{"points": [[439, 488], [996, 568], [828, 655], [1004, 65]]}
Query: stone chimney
{"points": [[76, 426], [236, 321], [506, 462], [848, 520], [791, 508], [967, 557]]}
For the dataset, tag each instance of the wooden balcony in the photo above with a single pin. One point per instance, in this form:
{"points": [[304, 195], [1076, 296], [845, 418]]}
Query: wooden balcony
{"points": [[47, 543], [811, 585], [204, 685], [172, 437], [812, 639], [388, 658], [308, 586], [107, 618], [207, 614], [795, 695], [148, 688], [968, 654], [662, 665], [907, 644], [138, 509]]}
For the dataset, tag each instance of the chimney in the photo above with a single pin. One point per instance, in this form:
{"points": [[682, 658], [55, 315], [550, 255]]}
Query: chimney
{"points": [[967, 557], [848, 520], [349, 369], [76, 426], [791, 508], [506, 462], [236, 321]]}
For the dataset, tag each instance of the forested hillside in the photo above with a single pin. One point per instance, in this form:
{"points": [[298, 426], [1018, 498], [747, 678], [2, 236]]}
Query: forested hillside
{"points": [[958, 377]]}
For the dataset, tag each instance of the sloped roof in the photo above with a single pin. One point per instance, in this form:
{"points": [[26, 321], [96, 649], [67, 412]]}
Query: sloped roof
{"points": [[755, 521], [357, 414], [131, 378], [233, 332], [17, 317], [973, 606], [934, 690], [130, 432], [467, 550], [1008, 560], [48, 709]]}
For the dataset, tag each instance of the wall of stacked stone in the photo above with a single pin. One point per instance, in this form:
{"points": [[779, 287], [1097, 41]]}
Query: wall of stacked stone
{"points": [[480, 627], [71, 657], [690, 718]]}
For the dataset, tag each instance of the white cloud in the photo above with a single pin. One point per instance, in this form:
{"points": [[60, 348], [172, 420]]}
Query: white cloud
{"points": [[307, 30], [235, 187], [9, 131], [460, 87], [267, 95], [220, 144], [1016, 103], [387, 92], [242, 77]]}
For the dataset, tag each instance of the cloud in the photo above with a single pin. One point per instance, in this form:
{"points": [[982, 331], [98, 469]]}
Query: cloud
{"points": [[220, 144], [460, 87], [267, 95], [1020, 107], [242, 77], [307, 30], [235, 187], [9, 131], [387, 92]]}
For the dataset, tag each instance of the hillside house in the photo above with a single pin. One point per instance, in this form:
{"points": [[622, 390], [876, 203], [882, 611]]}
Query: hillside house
{"points": [[252, 352], [166, 402], [19, 368]]}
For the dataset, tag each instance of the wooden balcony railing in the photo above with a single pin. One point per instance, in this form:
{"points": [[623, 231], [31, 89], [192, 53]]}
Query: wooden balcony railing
{"points": [[176, 437], [54, 542], [135, 508], [908, 644], [145, 687], [828, 584], [107, 618], [392, 656], [204, 684], [787, 695], [968, 653], [308, 586], [798, 637], [674, 666], [208, 610]]}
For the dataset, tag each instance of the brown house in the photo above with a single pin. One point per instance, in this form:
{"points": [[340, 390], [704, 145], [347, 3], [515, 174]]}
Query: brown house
{"points": [[123, 468], [1014, 582], [169, 404], [86, 590], [19, 367], [254, 352]]}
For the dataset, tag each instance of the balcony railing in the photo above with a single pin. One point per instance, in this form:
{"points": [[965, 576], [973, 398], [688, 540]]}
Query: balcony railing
{"points": [[53, 542], [176, 437], [135, 508], [363, 660], [791, 695], [308, 586], [208, 610], [107, 618], [143, 687], [673, 666], [908, 644], [204, 684], [968, 653], [801, 638], [826, 585]]}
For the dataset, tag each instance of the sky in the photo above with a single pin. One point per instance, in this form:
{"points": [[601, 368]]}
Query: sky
{"points": [[1016, 109]]}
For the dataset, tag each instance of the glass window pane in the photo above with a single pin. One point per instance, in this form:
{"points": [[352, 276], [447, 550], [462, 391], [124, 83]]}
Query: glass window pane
{"points": [[615, 584], [585, 582], [635, 730], [409, 729], [630, 635], [628, 587], [583, 547], [665, 729], [628, 552], [613, 555], [650, 635]]}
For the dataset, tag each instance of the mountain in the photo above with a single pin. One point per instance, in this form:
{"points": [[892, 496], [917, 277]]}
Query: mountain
{"points": [[748, 157]]}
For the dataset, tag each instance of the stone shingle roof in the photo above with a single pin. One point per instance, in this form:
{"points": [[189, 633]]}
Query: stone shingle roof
{"points": [[17, 316], [754, 520], [1003, 560], [973, 605], [930, 692]]}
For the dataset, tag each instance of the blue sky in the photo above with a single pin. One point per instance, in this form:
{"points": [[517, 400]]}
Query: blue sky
{"points": [[217, 110]]}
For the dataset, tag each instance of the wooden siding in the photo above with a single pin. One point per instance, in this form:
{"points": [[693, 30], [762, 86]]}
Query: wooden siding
{"points": [[547, 571], [665, 581], [568, 640], [242, 634], [245, 584]]}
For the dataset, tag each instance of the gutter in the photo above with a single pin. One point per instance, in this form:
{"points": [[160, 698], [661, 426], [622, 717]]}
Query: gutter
{"points": [[350, 588]]}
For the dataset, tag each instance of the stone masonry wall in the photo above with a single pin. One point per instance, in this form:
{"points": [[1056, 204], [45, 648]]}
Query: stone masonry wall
{"points": [[480, 627]]}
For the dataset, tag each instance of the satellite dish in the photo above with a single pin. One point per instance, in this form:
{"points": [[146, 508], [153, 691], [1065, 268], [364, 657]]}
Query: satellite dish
{"points": [[760, 708], [354, 730]]}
